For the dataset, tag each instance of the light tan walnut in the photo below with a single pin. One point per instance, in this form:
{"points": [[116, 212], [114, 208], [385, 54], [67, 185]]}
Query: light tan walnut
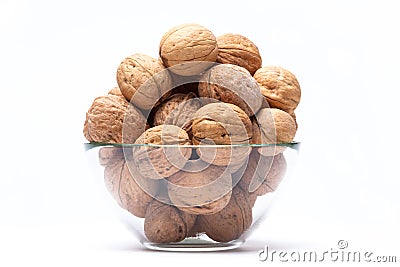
{"points": [[177, 110], [164, 223], [200, 191], [230, 223], [157, 161], [131, 193], [106, 117], [279, 87], [238, 50], [221, 124], [232, 84], [263, 174], [275, 127], [143, 80], [188, 49]]}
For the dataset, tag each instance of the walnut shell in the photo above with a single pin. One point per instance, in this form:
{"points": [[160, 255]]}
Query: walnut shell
{"points": [[200, 191], [279, 87], [232, 84], [131, 193], [164, 223], [263, 174], [177, 110], [105, 121], [276, 126], [188, 49], [230, 223], [157, 161], [143, 80], [238, 50], [221, 124]]}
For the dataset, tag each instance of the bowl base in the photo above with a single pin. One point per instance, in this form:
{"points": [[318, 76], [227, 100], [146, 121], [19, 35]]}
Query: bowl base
{"points": [[200, 243]]}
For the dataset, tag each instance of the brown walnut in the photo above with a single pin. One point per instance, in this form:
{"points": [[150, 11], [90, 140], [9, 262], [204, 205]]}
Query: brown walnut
{"points": [[131, 193], [188, 49], [279, 87], [238, 50], [106, 117], [143, 80], [157, 161], [230, 223], [164, 223], [232, 84], [203, 191]]}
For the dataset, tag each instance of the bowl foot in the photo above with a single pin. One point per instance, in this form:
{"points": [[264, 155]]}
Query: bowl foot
{"points": [[199, 243]]}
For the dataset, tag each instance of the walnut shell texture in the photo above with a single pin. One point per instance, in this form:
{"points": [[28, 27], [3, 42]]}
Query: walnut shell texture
{"points": [[232, 84], [126, 189], [230, 223], [188, 49], [143, 80], [279, 87], [201, 192], [221, 123], [263, 173], [238, 50], [158, 162], [177, 110], [164, 223], [105, 120]]}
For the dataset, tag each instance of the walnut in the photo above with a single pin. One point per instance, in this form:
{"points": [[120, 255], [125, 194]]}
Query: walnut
{"points": [[109, 154], [262, 174], [279, 87], [232, 84], [230, 223], [221, 124], [200, 190], [131, 193], [177, 110], [164, 223], [143, 80], [188, 49], [157, 161], [238, 50], [276, 126], [105, 121]]}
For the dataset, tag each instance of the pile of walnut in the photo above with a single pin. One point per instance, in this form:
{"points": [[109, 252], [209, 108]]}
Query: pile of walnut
{"points": [[202, 90]]}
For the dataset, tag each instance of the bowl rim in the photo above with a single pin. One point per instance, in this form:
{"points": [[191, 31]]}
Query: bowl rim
{"points": [[90, 145]]}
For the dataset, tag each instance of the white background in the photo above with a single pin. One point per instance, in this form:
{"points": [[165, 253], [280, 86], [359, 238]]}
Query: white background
{"points": [[57, 56]]}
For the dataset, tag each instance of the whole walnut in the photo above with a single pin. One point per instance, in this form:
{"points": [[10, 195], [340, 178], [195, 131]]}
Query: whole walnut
{"points": [[276, 126], [106, 117], [279, 87], [200, 190], [232, 84], [156, 161], [164, 223], [188, 49], [177, 110], [132, 193], [263, 174], [143, 80], [238, 50], [230, 223]]}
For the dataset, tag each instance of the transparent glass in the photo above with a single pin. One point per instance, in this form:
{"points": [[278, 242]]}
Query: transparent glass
{"points": [[192, 198]]}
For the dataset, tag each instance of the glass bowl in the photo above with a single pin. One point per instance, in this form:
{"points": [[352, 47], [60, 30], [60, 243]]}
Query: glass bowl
{"points": [[192, 198]]}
